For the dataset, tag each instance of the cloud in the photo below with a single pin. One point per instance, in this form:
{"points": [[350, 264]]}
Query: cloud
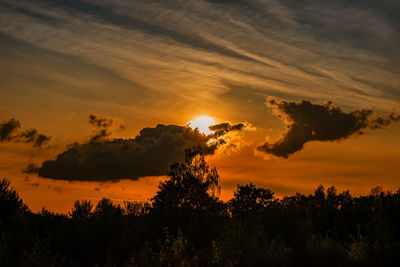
{"points": [[307, 122], [34, 137], [7, 128], [9, 133], [30, 168], [148, 154], [225, 127], [228, 136], [99, 121], [41, 139], [317, 50], [103, 125]]}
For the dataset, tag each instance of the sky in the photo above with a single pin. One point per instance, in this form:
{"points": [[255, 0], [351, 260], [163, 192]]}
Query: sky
{"points": [[302, 93]]}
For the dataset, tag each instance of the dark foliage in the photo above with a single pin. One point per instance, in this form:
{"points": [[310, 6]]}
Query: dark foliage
{"points": [[185, 224]]}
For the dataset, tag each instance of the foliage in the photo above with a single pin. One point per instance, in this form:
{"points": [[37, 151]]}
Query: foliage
{"points": [[192, 186], [186, 224], [249, 199]]}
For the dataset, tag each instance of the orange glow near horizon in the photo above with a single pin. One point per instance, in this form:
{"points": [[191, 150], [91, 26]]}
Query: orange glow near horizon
{"points": [[197, 65]]}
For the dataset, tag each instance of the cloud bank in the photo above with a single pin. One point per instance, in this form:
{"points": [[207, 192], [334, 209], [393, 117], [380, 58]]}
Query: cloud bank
{"points": [[148, 154], [306, 122], [9, 132]]}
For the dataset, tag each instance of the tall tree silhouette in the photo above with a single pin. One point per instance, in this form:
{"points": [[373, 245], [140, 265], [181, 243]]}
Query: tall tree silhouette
{"points": [[192, 186], [188, 200]]}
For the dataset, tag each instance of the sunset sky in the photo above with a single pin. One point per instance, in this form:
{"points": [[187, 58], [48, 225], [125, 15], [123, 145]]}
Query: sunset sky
{"points": [[90, 71]]}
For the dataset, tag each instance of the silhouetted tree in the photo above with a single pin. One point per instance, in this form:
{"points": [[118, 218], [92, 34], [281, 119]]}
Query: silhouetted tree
{"points": [[106, 208], [188, 199], [249, 199], [133, 208], [13, 228], [186, 224], [81, 210], [191, 186], [10, 202]]}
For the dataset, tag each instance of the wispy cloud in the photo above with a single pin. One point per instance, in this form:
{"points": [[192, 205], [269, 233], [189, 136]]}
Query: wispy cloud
{"points": [[187, 49]]}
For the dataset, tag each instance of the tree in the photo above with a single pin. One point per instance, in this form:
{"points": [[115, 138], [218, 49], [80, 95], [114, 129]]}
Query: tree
{"points": [[249, 199], [10, 202], [188, 200], [192, 186], [135, 208], [106, 208], [81, 210], [14, 234]]}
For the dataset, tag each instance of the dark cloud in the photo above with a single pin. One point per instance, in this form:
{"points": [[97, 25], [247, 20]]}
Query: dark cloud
{"points": [[41, 139], [222, 129], [103, 127], [34, 137], [227, 135], [28, 135], [9, 133], [307, 122], [31, 168], [99, 121], [7, 128], [148, 154]]}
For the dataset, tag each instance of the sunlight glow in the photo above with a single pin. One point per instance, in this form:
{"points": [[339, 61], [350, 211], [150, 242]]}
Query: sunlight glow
{"points": [[202, 123]]}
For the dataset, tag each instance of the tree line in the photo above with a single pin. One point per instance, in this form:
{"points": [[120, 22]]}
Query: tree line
{"points": [[186, 224]]}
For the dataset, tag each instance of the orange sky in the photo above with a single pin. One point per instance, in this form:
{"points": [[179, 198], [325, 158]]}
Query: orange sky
{"points": [[357, 164], [145, 63]]}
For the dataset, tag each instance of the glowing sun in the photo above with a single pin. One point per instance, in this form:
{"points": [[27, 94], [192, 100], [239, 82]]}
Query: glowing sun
{"points": [[202, 123]]}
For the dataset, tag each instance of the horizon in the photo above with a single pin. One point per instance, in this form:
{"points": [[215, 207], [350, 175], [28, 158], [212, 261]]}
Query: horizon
{"points": [[99, 98]]}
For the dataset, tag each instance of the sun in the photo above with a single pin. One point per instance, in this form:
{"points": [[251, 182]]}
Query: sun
{"points": [[202, 123]]}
